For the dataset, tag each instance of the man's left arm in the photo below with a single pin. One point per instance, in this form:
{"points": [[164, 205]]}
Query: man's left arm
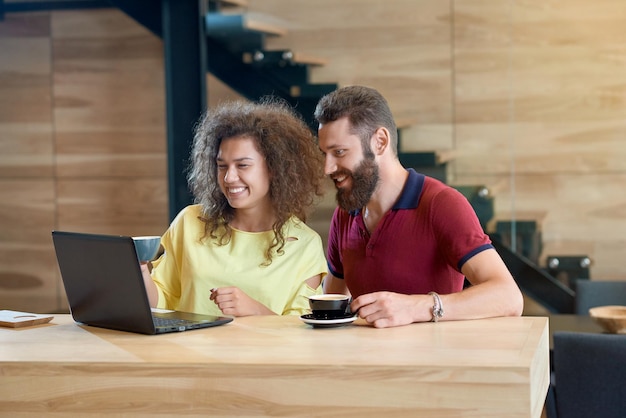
{"points": [[493, 293]]}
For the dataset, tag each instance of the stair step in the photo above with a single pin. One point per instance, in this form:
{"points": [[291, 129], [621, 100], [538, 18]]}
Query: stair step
{"points": [[528, 241], [430, 163], [470, 192], [301, 58], [312, 90], [17, 6], [481, 200], [532, 280], [287, 76], [227, 25], [427, 158], [229, 3], [281, 58]]}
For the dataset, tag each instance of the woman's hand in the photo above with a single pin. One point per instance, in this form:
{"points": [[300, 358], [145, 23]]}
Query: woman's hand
{"points": [[233, 301], [151, 289]]}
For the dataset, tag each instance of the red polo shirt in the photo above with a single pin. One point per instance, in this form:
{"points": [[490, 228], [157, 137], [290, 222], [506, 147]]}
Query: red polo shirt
{"points": [[418, 246]]}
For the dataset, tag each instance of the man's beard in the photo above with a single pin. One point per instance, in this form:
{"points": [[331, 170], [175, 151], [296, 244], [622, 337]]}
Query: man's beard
{"points": [[365, 179]]}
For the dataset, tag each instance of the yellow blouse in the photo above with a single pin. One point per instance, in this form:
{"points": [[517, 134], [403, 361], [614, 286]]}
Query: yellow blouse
{"points": [[190, 268]]}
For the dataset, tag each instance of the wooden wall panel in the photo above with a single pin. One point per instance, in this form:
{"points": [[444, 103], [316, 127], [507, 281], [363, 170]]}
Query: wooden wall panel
{"points": [[109, 125], [25, 102], [577, 214], [540, 92], [403, 49], [113, 206], [110, 128], [218, 92], [28, 278], [530, 95], [27, 209], [109, 97], [82, 125], [575, 147]]}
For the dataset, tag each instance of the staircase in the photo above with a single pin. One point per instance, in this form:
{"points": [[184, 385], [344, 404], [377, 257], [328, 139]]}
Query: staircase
{"points": [[230, 44]]}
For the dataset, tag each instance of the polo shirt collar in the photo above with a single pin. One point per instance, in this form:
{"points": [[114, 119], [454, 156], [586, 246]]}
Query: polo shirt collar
{"points": [[410, 197]]}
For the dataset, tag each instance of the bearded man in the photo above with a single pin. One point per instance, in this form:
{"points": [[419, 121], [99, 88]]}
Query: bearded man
{"points": [[401, 243]]}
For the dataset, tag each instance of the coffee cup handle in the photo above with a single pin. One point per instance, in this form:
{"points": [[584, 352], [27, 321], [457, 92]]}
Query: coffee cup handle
{"points": [[348, 311]]}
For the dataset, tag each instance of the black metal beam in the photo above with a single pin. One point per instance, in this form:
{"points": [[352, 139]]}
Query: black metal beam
{"points": [[254, 82], [543, 288], [33, 6], [185, 49]]}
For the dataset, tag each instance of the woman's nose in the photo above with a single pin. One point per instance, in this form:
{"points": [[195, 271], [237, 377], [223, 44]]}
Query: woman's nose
{"points": [[230, 175]]}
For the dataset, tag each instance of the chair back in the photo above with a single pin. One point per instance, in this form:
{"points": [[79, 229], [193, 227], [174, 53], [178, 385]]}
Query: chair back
{"points": [[592, 293], [589, 375]]}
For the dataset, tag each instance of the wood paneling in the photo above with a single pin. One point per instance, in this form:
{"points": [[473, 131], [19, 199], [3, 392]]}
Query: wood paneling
{"points": [[27, 263], [115, 206], [540, 101], [530, 95], [109, 97], [110, 128], [27, 209], [83, 141], [402, 49], [25, 103]]}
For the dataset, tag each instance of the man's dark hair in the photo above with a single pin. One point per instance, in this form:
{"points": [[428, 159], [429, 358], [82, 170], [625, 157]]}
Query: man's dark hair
{"points": [[366, 109]]}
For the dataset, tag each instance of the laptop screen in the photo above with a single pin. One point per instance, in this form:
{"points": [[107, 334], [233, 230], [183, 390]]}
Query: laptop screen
{"points": [[103, 282]]}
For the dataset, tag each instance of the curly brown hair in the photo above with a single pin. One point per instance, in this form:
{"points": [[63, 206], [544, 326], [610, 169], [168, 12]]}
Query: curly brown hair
{"points": [[290, 149]]}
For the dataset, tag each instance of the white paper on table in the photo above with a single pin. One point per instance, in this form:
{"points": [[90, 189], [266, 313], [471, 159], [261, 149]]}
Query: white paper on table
{"points": [[15, 319]]}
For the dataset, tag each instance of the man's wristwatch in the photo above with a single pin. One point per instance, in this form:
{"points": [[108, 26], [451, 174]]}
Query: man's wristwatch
{"points": [[437, 307]]}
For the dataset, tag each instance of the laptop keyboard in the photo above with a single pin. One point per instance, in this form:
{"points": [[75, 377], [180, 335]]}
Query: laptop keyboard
{"points": [[171, 322]]}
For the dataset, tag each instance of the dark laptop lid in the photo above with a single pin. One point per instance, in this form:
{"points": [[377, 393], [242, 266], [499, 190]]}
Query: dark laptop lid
{"points": [[104, 285]]}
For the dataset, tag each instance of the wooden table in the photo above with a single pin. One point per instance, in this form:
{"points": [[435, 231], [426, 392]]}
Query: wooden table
{"points": [[278, 366]]}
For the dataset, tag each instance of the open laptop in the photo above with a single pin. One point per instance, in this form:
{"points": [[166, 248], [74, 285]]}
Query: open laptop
{"points": [[104, 286]]}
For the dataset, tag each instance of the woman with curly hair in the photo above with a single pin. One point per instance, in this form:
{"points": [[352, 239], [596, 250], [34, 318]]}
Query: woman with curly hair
{"points": [[243, 247]]}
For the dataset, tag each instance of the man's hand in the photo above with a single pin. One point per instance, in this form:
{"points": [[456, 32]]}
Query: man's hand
{"points": [[388, 309]]}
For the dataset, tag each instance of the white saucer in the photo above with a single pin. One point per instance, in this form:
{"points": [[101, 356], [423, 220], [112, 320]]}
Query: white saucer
{"points": [[327, 323]]}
